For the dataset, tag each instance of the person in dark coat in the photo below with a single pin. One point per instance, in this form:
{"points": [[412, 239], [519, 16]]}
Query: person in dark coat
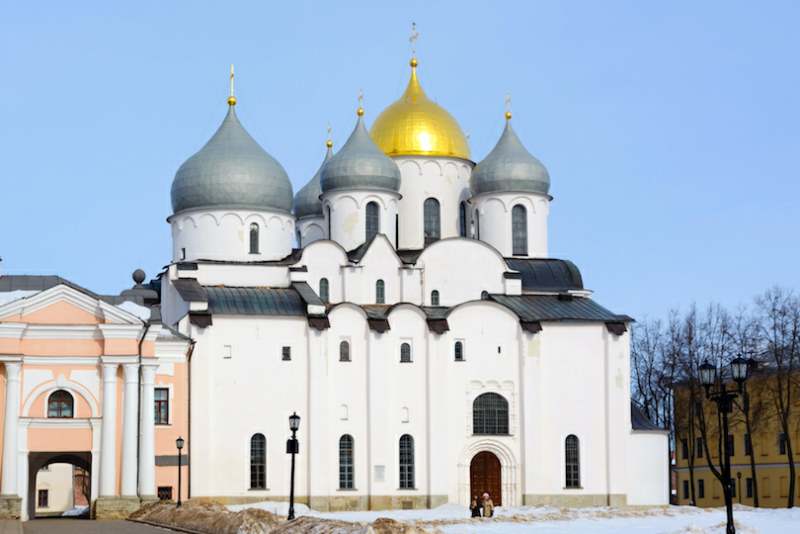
{"points": [[474, 507]]}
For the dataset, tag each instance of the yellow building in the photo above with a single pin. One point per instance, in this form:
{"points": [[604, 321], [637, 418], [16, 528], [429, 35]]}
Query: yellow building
{"points": [[767, 447]]}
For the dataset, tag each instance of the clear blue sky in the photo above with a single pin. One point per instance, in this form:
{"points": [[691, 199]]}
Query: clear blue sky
{"points": [[670, 129]]}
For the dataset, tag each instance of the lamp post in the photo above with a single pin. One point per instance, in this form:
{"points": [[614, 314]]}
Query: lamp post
{"points": [[292, 447], [179, 444], [723, 398]]}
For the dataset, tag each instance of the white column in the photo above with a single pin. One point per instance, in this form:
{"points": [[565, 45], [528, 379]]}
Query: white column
{"points": [[147, 449], [108, 440], [9, 485], [129, 429]]}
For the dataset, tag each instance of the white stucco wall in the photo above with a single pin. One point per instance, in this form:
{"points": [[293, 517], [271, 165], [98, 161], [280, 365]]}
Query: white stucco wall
{"points": [[311, 229], [347, 212], [648, 468], [495, 220]]}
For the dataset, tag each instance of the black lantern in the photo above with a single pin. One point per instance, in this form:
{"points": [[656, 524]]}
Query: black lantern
{"points": [[707, 374], [292, 448], [294, 422], [739, 367], [179, 444]]}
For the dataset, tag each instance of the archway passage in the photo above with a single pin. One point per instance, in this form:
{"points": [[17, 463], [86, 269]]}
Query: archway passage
{"points": [[38, 460], [484, 477]]}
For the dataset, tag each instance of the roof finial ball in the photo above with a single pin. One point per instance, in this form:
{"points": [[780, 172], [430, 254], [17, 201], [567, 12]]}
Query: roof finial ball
{"points": [[138, 276], [231, 97]]}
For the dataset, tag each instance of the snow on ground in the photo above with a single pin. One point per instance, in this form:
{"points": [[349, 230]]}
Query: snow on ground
{"points": [[454, 519], [76, 512]]}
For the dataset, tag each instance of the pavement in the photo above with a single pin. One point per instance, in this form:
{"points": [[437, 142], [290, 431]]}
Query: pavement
{"points": [[78, 526]]}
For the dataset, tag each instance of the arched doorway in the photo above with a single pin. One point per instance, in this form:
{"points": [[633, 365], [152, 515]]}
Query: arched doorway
{"points": [[484, 476], [38, 460]]}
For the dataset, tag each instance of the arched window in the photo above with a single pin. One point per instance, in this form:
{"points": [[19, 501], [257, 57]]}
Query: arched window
{"points": [[406, 462], [380, 292], [572, 462], [60, 405], [519, 230], [324, 290], [490, 414], [346, 462], [344, 351], [477, 225], [254, 238], [459, 351], [373, 220], [462, 219], [328, 210], [258, 462], [484, 295], [431, 220], [434, 298], [405, 353]]}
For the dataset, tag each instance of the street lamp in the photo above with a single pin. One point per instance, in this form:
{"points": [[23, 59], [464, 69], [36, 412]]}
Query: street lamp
{"points": [[292, 447], [179, 444], [723, 398]]}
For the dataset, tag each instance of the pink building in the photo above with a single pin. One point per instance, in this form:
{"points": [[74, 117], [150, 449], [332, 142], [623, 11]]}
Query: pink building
{"points": [[91, 380]]}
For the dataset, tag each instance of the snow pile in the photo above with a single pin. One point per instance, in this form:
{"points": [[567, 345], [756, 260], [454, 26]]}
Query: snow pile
{"points": [[78, 511], [142, 312]]}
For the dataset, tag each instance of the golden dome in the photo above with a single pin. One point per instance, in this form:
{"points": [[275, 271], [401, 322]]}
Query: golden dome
{"points": [[416, 126]]}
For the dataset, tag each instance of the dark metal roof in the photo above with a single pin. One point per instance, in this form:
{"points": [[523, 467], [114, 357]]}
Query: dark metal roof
{"points": [[555, 308], [291, 259], [639, 420], [254, 301], [32, 282], [190, 290], [546, 274], [410, 256], [308, 295], [357, 253]]}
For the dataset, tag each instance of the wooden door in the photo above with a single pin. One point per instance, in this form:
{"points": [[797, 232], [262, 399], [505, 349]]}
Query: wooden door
{"points": [[484, 477]]}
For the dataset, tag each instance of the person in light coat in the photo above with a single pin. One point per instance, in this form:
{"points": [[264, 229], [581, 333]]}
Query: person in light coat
{"points": [[488, 506]]}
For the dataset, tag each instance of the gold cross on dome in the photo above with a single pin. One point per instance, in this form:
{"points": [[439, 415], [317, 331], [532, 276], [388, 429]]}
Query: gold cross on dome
{"points": [[413, 39], [508, 105], [231, 96]]}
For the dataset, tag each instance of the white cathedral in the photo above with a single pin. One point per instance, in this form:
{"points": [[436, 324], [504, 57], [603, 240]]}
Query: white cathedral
{"points": [[430, 346]]}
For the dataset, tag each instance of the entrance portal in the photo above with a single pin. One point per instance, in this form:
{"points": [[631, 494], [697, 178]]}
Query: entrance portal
{"points": [[38, 460], [484, 477]]}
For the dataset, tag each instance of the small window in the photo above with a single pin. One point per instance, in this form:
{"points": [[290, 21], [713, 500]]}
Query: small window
{"points": [[749, 488], [43, 498], [161, 396], [733, 488], [434, 298], [258, 462], [477, 225], [462, 219], [406, 462], [254, 238], [405, 353], [519, 230], [572, 462], [165, 493], [380, 292], [685, 448], [685, 489], [344, 351], [748, 445], [183, 253], [227, 352], [324, 290], [328, 210], [60, 405], [782, 443], [346, 462], [459, 351], [701, 489], [490, 415], [286, 353], [431, 220], [731, 445], [373, 220], [484, 295], [699, 450]]}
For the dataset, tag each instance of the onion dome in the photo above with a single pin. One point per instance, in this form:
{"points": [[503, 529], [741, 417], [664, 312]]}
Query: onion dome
{"points": [[306, 201], [231, 171], [509, 167], [416, 126], [360, 164]]}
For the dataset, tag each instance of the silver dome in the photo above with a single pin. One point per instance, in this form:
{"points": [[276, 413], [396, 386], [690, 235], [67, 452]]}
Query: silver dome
{"points": [[307, 202], [360, 164], [509, 167], [231, 171]]}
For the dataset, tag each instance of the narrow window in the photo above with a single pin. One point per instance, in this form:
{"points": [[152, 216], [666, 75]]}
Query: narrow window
{"points": [[733, 488], [462, 219], [685, 489], [434, 298], [329, 222], [731, 445], [161, 396], [701, 489], [258, 462], [490, 415], [699, 448], [782, 443], [380, 292], [459, 351], [43, 498], [748, 445], [477, 224], [373, 220], [254, 238], [684, 448], [183, 253], [344, 351], [405, 353], [324, 290], [164, 493], [286, 353], [60, 405], [431, 220], [406, 462], [346, 462], [519, 230], [572, 462], [749, 488], [484, 295], [299, 239]]}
